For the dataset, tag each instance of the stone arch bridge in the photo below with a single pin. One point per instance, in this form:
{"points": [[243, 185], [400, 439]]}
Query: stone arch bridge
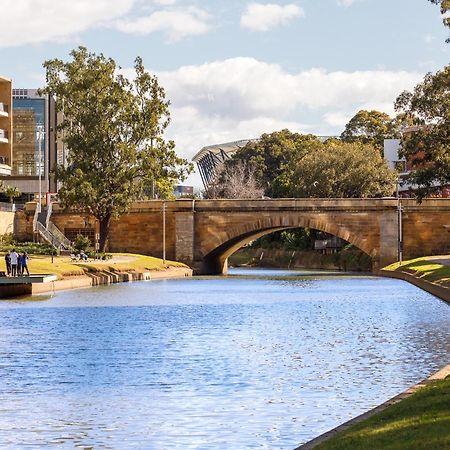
{"points": [[204, 233]]}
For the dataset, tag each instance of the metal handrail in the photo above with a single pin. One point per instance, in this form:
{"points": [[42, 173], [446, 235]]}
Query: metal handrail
{"points": [[49, 213], [53, 229], [35, 218], [46, 234], [6, 207]]}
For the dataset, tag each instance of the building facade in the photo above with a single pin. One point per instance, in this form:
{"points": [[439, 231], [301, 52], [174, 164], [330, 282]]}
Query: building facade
{"points": [[6, 121], [35, 149]]}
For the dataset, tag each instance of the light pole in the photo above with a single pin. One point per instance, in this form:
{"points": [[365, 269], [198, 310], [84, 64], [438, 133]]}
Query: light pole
{"points": [[164, 232], [399, 224]]}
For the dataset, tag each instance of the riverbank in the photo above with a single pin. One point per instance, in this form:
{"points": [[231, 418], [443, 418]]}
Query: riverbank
{"points": [[351, 260], [123, 267], [430, 273], [418, 418]]}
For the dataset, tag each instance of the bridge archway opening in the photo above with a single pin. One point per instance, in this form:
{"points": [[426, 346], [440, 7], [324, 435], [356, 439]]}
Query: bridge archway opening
{"points": [[216, 261]]}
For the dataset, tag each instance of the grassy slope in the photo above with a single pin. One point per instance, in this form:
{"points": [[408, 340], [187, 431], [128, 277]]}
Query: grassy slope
{"points": [[424, 268], [63, 267], [420, 422]]}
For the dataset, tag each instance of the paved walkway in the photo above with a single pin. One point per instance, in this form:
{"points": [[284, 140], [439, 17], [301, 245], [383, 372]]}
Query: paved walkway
{"points": [[439, 260]]}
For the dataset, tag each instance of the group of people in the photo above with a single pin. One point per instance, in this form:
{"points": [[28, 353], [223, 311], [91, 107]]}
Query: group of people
{"points": [[16, 264]]}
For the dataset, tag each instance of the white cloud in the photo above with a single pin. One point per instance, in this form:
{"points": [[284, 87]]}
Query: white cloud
{"points": [[165, 2], [33, 21], [175, 23], [241, 98], [346, 3], [262, 17], [245, 88]]}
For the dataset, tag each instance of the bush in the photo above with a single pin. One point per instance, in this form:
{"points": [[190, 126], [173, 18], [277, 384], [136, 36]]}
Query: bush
{"points": [[7, 239], [82, 243], [103, 256], [32, 248]]}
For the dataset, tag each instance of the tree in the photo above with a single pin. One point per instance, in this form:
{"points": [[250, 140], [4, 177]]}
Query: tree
{"points": [[237, 181], [272, 158], [370, 127], [343, 170], [12, 192], [445, 11], [427, 147], [113, 129]]}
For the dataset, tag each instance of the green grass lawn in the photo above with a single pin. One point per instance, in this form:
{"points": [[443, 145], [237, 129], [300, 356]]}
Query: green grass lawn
{"points": [[63, 267], [424, 268], [420, 422]]}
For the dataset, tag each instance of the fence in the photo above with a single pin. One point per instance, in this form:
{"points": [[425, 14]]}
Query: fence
{"points": [[9, 207]]}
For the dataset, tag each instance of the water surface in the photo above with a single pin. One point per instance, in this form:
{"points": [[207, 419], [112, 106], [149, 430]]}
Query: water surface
{"points": [[223, 363]]}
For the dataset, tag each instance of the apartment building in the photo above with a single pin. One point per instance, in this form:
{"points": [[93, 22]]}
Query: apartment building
{"points": [[34, 151], [6, 123]]}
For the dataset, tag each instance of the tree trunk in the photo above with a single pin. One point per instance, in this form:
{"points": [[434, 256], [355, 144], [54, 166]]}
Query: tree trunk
{"points": [[105, 222]]}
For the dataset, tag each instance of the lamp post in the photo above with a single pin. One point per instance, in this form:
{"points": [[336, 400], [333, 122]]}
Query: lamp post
{"points": [[164, 232], [399, 224]]}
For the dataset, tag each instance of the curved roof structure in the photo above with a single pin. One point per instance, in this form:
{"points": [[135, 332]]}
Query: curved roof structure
{"points": [[213, 156]]}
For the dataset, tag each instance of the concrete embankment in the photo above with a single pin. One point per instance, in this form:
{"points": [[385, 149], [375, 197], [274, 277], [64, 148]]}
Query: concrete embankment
{"points": [[103, 277], [433, 288]]}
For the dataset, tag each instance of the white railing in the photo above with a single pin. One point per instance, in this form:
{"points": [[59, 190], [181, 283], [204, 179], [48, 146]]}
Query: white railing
{"points": [[9, 207], [49, 213], [46, 234], [35, 218], [56, 232]]}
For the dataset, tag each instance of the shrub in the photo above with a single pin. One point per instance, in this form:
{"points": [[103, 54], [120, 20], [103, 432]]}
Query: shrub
{"points": [[32, 248], [81, 243]]}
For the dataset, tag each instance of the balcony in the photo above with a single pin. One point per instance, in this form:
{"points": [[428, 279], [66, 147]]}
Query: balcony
{"points": [[5, 168], [4, 112], [3, 136]]}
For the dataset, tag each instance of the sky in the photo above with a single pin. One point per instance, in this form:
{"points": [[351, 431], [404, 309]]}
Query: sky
{"points": [[235, 69]]}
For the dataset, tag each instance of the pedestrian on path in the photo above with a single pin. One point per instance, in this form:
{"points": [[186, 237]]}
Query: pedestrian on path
{"points": [[23, 264], [8, 263], [14, 260]]}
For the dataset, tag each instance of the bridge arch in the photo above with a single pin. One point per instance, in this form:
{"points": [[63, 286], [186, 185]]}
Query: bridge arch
{"points": [[223, 245]]}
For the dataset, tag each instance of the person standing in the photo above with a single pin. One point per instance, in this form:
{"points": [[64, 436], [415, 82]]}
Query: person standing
{"points": [[19, 264], [14, 260], [8, 263], [23, 260]]}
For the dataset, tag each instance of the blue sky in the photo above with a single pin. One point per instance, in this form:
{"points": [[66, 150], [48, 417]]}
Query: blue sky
{"points": [[234, 69]]}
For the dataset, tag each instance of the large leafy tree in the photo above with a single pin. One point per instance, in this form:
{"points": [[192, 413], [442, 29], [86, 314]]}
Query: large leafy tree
{"points": [[427, 146], [445, 11], [343, 170], [113, 130], [370, 127], [271, 158]]}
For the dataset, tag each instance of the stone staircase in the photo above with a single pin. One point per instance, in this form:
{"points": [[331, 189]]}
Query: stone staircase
{"points": [[48, 231]]}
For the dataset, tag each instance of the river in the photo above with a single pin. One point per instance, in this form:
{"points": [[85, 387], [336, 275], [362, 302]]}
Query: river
{"points": [[257, 360]]}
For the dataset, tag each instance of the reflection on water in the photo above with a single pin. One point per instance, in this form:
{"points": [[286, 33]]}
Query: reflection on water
{"points": [[224, 363]]}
